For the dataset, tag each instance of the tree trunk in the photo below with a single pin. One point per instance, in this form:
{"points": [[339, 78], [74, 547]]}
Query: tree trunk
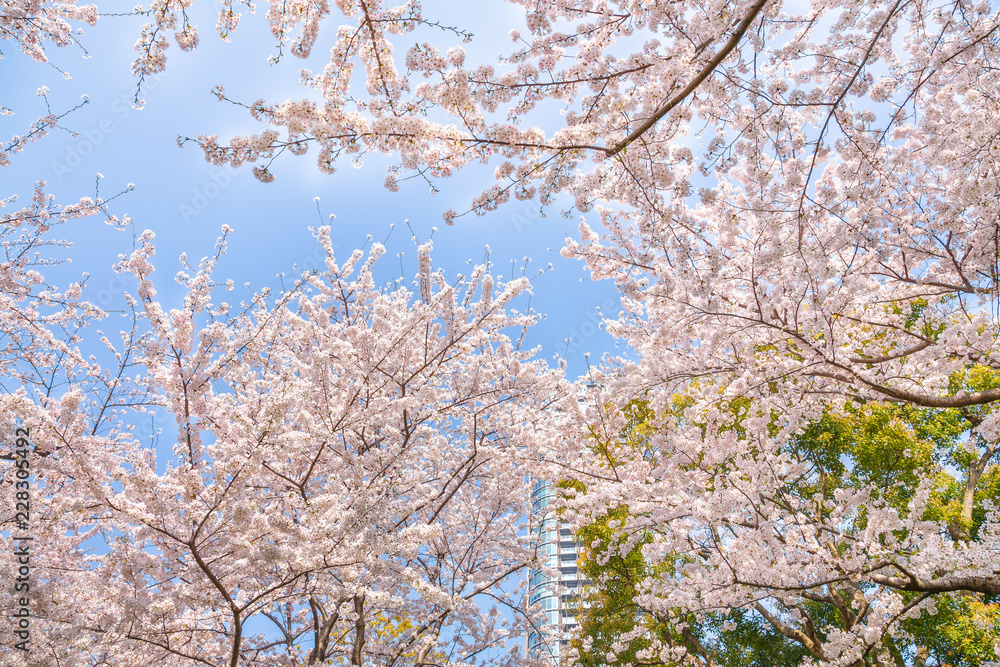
{"points": [[359, 629]]}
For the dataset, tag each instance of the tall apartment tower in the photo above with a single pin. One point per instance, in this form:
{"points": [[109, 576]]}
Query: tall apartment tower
{"points": [[555, 592]]}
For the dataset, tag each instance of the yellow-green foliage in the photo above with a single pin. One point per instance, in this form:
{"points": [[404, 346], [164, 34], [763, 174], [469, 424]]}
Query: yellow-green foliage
{"points": [[884, 448]]}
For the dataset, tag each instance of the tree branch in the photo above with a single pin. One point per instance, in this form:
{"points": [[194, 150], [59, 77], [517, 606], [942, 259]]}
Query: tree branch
{"points": [[709, 67]]}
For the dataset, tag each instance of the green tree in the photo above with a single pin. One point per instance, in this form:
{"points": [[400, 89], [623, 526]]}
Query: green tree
{"points": [[880, 449]]}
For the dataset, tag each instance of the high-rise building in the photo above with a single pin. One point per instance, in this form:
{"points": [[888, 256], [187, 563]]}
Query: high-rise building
{"points": [[556, 591]]}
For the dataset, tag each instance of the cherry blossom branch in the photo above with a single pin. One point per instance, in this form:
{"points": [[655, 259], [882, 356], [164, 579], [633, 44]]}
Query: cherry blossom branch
{"points": [[707, 70]]}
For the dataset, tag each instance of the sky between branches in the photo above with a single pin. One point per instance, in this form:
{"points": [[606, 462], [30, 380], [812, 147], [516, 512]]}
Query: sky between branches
{"points": [[185, 200]]}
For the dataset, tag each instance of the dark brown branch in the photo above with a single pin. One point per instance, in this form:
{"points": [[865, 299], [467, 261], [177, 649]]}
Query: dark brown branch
{"points": [[359, 625], [911, 582], [709, 67], [923, 400], [792, 633], [890, 357]]}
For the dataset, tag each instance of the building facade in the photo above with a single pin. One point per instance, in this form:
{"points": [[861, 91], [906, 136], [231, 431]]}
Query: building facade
{"points": [[555, 586]]}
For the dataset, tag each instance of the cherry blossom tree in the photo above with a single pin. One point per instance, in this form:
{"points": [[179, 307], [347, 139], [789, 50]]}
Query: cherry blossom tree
{"points": [[882, 451], [33, 26], [798, 204], [347, 484]]}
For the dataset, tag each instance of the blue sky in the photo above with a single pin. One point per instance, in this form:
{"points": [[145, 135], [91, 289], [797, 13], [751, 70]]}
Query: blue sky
{"points": [[185, 201]]}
